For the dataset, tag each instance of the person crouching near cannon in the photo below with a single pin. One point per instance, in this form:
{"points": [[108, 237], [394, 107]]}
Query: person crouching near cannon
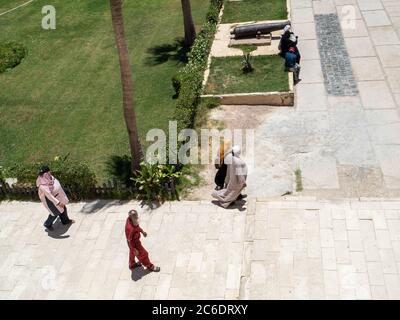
{"points": [[292, 65], [288, 40], [136, 250], [53, 197]]}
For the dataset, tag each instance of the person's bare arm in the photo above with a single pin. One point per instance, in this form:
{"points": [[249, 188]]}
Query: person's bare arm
{"points": [[51, 197], [144, 233]]}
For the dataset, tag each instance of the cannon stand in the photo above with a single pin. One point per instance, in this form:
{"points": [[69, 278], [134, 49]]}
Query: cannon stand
{"points": [[259, 40]]}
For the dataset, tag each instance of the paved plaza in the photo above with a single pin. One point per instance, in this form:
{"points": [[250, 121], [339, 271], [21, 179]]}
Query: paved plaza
{"points": [[297, 248]]}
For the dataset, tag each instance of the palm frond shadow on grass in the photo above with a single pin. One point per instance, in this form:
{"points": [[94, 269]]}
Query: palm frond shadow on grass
{"points": [[159, 54]]}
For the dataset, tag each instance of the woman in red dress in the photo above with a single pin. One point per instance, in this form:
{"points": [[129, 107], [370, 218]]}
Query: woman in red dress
{"points": [[132, 232]]}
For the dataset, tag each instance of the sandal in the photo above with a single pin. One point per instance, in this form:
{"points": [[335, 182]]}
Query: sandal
{"points": [[155, 269]]}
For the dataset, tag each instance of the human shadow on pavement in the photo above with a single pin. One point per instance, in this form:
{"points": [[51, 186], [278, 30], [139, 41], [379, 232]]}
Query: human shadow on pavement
{"points": [[237, 205], [138, 273], [59, 230]]}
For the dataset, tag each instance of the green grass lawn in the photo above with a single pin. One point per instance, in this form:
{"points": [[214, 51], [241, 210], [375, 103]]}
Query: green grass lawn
{"points": [[226, 76], [254, 10], [65, 96]]}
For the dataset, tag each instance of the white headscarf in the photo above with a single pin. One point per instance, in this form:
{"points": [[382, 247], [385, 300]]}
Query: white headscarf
{"points": [[286, 28], [236, 150]]}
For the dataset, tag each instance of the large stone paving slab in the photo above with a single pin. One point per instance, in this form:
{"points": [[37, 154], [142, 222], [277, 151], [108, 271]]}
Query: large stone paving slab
{"points": [[367, 68], [376, 95], [389, 55], [359, 47], [376, 18], [389, 158]]}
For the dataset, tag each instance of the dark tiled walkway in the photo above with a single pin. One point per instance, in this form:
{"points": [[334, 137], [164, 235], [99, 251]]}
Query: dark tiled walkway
{"points": [[335, 61]]}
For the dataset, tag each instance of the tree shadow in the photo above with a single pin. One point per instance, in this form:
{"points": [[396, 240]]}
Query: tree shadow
{"points": [[59, 230], [97, 205], [176, 51], [138, 273]]}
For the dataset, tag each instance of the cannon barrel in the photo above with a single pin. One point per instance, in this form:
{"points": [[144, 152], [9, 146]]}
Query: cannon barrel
{"points": [[251, 30]]}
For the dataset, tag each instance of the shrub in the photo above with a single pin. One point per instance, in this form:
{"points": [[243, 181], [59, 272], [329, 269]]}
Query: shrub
{"points": [[151, 180], [176, 84], [119, 168], [11, 55], [190, 77], [74, 176], [2, 174]]}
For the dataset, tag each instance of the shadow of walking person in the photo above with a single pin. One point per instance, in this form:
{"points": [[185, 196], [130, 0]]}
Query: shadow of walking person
{"points": [[59, 230], [138, 273]]}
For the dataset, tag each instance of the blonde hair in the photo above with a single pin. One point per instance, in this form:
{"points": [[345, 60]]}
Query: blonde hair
{"points": [[224, 147]]}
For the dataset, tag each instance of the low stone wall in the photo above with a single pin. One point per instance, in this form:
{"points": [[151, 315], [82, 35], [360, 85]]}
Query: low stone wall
{"points": [[256, 98], [279, 99]]}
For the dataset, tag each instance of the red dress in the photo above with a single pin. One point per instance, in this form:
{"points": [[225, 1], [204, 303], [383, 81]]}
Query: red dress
{"points": [[132, 233]]}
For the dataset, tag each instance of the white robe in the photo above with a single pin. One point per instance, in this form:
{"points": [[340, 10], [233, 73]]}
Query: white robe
{"points": [[235, 182]]}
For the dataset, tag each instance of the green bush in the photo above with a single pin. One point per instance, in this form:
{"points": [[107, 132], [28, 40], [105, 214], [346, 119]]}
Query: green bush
{"points": [[151, 180], [74, 176], [2, 174], [190, 77], [120, 169], [176, 84], [11, 55]]}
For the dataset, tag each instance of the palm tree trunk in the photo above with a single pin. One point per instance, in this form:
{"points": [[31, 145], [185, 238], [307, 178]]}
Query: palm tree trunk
{"points": [[127, 83], [190, 31]]}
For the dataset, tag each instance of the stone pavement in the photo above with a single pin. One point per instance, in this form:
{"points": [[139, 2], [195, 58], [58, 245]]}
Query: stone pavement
{"points": [[345, 146], [198, 246], [343, 249], [293, 248]]}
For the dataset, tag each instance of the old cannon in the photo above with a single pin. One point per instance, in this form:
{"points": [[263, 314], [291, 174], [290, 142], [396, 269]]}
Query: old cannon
{"points": [[257, 29]]}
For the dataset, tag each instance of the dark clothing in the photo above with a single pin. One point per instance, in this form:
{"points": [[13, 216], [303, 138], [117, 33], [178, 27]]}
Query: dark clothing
{"points": [[290, 60], [221, 175], [52, 217], [292, 65], [285, 43]]}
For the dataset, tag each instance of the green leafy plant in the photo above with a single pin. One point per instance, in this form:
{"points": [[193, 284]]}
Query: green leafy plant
{"points": [[11, 55], [152, 179], [247, 67]]}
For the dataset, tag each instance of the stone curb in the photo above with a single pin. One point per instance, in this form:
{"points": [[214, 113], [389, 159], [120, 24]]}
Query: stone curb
{"points": [[278, 99]]}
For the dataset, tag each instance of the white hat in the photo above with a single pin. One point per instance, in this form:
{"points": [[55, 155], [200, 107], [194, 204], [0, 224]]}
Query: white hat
{"points": [[286, 28]]}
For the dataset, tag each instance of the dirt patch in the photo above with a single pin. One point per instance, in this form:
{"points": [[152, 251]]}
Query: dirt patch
{"points": [[227, 117]]}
